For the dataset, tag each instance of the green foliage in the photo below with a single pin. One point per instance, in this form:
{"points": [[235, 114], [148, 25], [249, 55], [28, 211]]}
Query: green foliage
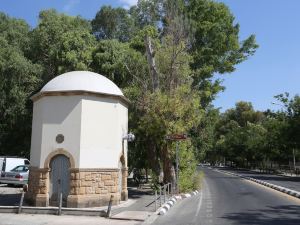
{"points": [[240, 134], [187, 167], [182, 43], [120, 63], [216, 47], [61, 43], [145, 13], [204, 135], [14, 31], [75, 51], [251, 138], [275, 138], [113, 23], [198, 180], [18, 80]]}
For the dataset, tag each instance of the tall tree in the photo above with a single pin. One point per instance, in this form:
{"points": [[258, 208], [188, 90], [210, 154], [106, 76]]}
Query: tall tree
{"points": [[14, 31], [240, 134], [61, 43], [19, 78], [215, 44], [113, 23]]}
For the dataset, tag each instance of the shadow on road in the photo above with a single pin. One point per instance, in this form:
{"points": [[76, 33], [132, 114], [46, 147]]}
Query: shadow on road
{"points": [[279, 215]]}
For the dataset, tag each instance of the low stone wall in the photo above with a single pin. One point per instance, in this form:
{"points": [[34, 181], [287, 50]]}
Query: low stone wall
{"points": [[93, 187], [88, 187]]}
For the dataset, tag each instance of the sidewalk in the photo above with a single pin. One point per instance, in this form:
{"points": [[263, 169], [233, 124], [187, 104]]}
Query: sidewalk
{"points": [[37, 219], [143, 205], [139, 207]]}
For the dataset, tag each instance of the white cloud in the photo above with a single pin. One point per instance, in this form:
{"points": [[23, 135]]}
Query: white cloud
{"points": [[70, 5], [128, 3]]}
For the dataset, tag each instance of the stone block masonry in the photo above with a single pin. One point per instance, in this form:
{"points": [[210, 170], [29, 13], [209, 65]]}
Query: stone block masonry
{"points": [[38, 191], [88, 187], [93, 187]]}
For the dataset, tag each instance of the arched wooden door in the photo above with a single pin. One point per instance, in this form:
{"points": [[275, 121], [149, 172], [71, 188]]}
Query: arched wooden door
{"points": [[59, 179]]}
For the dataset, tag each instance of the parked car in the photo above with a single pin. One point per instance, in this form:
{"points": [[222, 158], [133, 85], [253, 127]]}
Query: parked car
{"points": [[7, 163], [17, 176]]}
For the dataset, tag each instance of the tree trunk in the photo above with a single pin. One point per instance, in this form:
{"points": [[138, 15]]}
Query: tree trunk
{"points": [[151, 63], [154, 163], [168, 167]]}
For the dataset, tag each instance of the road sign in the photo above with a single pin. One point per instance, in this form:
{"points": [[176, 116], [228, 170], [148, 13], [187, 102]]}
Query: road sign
{"points": [[176, 137]]}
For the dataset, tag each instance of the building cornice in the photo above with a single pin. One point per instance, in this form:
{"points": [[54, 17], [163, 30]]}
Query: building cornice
{"points": [[40, 95]]}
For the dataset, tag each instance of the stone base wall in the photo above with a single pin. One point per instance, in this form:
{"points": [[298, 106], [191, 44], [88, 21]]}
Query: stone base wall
{"points": [[124, 193], [88, 187], [38, 186], [93, 187]]}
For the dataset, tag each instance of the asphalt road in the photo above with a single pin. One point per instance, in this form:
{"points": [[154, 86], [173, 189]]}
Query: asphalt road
{"points": [[226, 200], [284, 181]]}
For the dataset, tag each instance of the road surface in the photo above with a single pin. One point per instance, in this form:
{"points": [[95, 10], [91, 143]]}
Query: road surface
{"points": [[226, 200], [284, 181]]}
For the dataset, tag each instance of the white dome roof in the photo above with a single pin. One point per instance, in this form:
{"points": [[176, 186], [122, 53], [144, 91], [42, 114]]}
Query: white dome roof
{"points": [[82, 81]]}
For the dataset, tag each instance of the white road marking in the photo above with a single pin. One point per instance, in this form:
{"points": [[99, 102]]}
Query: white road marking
{"points": [[199, 204]]}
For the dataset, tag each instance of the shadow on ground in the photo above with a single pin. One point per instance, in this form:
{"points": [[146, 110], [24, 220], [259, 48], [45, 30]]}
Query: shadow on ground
{"points": [[9, 199], [279, 215], [134, 193]]}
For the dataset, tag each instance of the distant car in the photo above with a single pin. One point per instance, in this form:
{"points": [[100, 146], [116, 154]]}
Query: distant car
{"points": [[17, 176], [7, 163]]}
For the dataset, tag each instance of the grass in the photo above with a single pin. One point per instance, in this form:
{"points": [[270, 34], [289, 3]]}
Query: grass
{"points": [[198, 180]]}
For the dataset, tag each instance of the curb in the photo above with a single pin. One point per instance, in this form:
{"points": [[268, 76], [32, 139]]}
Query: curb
{"points": [[54, 211], [172, 201], [273, 186]]}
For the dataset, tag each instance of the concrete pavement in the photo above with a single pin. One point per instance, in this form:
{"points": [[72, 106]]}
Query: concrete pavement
{"points": [[35, 219]]}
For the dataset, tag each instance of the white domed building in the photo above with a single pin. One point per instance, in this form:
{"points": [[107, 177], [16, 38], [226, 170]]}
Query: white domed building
{"points": [[78, 147]]}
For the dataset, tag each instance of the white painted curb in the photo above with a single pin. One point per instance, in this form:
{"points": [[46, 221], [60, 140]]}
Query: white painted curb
{"points": [[171, 202]]}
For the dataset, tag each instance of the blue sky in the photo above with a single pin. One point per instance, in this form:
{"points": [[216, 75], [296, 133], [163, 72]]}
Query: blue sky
{"points": [[274, 69]]}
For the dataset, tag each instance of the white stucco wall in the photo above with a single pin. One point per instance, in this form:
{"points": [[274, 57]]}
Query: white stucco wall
{"points": [[52, 116], [103, 126], [36, 134], [93, 129]]}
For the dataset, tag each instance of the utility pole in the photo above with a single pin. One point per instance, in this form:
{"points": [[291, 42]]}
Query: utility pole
{"points": [[294, 159]]}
